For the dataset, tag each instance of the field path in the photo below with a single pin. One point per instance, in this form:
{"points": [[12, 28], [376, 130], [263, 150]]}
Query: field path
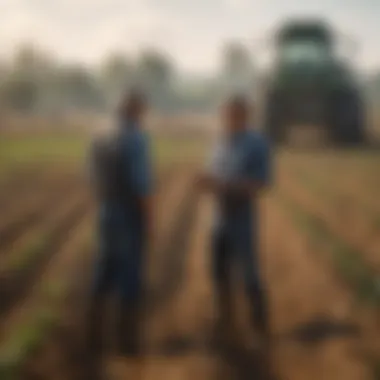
{"points": [[346, 229], [175, 342], [316, 332], [315, 335]]}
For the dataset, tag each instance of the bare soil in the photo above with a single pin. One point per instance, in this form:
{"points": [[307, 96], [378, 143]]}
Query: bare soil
{"points": [[319, 331]]}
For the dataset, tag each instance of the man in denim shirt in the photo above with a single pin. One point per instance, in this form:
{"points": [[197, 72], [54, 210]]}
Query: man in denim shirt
{"points": [[122, 179], [239, 170]]}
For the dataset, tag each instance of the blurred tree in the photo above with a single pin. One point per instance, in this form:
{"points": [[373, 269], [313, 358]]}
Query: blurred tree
{"points": [[4, 72], [25, 87], [35, 81], [155, 67], [80, 89], [32, 62], [237, 69], [117, 73], [20, 94], [373, 87], [26, 60], [155, 75]]}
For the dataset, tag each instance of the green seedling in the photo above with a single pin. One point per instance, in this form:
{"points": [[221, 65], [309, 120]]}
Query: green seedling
{"points": [[23, 258], [347, 261]]}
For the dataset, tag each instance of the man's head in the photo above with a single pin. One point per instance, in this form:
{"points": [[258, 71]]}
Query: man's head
{"points": [[133, 106], [236, 113]]}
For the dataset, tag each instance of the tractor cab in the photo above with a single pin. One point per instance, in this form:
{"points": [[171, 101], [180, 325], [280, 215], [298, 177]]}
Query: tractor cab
{"points": [[311, 85], [306, 45], [304, 52]]}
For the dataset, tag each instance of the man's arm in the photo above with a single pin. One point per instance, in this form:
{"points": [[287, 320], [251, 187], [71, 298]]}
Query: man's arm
{"points": [[254, 182], [259, 171], [242, 187], [89, 165], [91, 169], [141, 176]]}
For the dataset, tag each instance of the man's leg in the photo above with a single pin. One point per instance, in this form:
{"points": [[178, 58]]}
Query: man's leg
{"points": [[259, 305], [221, 267], [103, 279], [130, 313], [129, 328], [248, 251]]}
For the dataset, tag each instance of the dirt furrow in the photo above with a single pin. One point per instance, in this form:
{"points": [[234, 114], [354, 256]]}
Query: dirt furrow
{"points": [[30, 210], [38, 314], [18, 183], [32, 181], [359, 177], [312, 313], [168, 212], [344, 230], [67, 341], [348, 197], [176, 335], [33, 218], [342, 178], [16, 283]]}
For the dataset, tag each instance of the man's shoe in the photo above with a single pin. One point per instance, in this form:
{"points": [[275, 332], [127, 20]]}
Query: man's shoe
{"points": [[224, 334], [129, 333]]}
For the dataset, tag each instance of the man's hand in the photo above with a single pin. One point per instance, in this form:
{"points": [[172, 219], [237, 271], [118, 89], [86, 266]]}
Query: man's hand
{"points": [[147, 211], [207, 182], [239, 188]]}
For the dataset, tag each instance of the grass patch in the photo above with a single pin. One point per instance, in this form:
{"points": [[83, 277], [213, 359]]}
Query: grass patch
{"points": [[347, 261], [28, 337], [21, 259], [317, 187], [376, 223], [313, 184], [168, 150], [376, 369], [24, 151], [15, 150]]}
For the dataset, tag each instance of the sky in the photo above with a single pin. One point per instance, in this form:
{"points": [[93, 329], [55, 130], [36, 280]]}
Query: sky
{"points": [[192, 32]]}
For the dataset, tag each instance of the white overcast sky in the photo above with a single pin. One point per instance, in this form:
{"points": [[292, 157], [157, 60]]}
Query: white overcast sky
{"points": [[191, 31]]}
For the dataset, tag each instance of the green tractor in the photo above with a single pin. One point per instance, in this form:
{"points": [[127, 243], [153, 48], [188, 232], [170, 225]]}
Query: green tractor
{"points": [[311, 85]]}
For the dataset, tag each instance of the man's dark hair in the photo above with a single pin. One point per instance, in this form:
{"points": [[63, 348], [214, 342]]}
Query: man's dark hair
{"points": [[238, 102], [132, 100]]}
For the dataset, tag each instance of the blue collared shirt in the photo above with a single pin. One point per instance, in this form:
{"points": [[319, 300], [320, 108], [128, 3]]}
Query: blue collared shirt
{"points": [[134, 147], [241, 156]]}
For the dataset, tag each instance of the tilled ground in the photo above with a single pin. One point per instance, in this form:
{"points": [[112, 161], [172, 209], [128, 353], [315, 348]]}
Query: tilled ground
{"points": [[319, 331], [316, 333]]}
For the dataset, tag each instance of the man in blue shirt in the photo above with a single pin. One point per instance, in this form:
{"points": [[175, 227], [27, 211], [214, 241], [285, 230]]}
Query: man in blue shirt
{"points": [[238, 173], [122, 178]]}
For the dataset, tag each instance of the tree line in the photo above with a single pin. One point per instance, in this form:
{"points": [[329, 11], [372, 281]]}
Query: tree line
{"points": [[34, 81]]}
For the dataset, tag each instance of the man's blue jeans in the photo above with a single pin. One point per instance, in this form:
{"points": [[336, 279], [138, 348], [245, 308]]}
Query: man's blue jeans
{"points": [[119, 265], [119, 268], [236, 244]]}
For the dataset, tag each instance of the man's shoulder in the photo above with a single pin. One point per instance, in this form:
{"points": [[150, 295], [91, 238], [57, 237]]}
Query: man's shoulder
{"points": [[136, 136], [257, 139], [103, 141]]}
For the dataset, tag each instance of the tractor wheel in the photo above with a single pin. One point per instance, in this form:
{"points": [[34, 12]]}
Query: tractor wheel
{"points": [[347, 119], [274, 123]]}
